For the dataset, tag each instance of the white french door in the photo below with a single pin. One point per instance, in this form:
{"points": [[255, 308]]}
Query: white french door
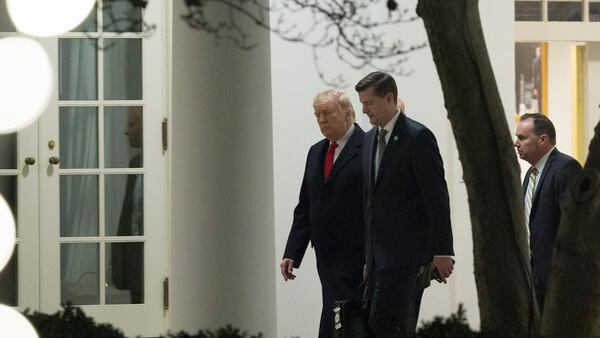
{"points": [[92, 209]]}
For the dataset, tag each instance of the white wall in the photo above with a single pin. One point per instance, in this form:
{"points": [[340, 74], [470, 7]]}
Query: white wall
{"points": [[560, 95], [294, 82], [222, 189]]}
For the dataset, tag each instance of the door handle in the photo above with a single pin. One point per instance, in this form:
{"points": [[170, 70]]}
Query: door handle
{"points": [[29, 160], [54, 160]]}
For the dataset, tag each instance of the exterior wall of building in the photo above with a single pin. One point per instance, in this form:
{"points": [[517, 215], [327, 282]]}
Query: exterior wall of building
{"points": [[222, 189]]}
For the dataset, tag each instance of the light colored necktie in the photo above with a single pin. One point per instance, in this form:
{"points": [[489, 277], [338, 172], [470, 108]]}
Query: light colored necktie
{"points": [[529, 195], [380, 150]]}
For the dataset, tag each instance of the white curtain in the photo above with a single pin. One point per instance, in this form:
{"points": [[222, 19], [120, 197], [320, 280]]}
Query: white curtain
{"points": [[78, 149]]}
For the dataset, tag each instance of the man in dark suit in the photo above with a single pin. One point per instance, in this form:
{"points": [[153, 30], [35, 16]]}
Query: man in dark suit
{"points": [[545, 191], [329, 212], [128, 258], [407, 211]]}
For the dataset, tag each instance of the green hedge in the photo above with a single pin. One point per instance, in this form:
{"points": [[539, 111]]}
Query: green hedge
{"points": [[71, 322]]}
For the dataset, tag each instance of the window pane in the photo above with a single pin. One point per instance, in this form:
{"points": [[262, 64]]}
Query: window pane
{"points": [[90, 24], [564, 11], [9, 278], [124, 205], [78, 205], [123, 137], [528, 11], [8, 189], [8, 151], [122, 16], [79, 267], [78, 138], [124, 273], [123, 69], [528, 77], [595, 11], [6, 24], [77, 64]]}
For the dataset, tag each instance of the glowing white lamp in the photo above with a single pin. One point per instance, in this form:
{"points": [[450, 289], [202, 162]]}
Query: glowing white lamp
{"points": [[48, 17], [7, 233], [14, 324], [25, 84]]}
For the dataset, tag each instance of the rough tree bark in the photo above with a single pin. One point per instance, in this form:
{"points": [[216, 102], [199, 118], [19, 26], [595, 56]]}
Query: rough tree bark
{"points": [[573, 297], [490, 168]]}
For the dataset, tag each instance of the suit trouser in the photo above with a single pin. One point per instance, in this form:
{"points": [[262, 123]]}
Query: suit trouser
{"points": [[339, 281], [394, 300], [540, 295]]}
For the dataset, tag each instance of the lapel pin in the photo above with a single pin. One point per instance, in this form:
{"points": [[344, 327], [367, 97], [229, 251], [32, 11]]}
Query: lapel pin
{"points": [[395, 137]]}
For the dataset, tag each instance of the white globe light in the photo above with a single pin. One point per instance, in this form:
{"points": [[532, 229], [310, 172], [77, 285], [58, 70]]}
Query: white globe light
{"points": [[25, 83], [7, 233], [14, 324], [48, 17]]}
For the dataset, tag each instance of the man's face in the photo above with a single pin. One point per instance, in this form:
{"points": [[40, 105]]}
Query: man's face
{"points": [[134, 127], [379, 109], [530, 147], [332, 122]]}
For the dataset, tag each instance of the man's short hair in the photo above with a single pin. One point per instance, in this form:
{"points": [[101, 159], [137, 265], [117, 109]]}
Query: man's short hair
{"points": [[541, 125], [343, 102], [381, 82]]}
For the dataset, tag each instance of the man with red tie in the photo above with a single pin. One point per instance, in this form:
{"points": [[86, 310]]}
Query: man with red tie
{"points": [[329, 213]]}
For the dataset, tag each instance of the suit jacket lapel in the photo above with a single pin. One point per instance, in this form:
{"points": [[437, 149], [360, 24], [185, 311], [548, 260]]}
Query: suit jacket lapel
{"points": [[368, 156], [318, 167], [391, 146], [350, 150]]}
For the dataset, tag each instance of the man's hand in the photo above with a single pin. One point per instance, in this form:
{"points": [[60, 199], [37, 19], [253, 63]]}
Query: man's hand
{"points": [[287, 267], [444, 266]]}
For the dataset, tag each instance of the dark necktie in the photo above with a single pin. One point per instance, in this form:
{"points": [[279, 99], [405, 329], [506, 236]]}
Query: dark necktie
{"points": [[380, 150], [329, 160]]}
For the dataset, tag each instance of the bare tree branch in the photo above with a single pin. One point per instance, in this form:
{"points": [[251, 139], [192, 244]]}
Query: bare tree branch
{"points": [[348, 28]]}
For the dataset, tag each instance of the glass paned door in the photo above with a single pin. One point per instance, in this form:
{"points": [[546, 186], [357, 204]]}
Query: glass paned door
{"points": [[103, 238], [19, 280], [9, 294]]}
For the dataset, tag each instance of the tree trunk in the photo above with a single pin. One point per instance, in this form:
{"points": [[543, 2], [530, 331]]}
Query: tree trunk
{"points": [[593, 159], [490, 168], [573, 299]]}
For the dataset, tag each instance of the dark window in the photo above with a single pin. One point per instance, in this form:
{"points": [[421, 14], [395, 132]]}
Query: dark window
{"points": [[564, 11], [528, 11], [595, 11]]}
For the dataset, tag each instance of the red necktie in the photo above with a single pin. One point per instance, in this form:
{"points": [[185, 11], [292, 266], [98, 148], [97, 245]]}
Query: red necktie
{"points": [[329, 160]]}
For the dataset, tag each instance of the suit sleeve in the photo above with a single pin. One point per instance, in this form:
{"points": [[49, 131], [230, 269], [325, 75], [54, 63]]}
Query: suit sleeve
{"points": [[429, 170], [564, 178], [300, 233]]}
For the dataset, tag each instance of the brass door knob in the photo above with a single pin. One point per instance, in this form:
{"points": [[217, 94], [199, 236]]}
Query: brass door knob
{"points": [[29, 160], [53, 160]]}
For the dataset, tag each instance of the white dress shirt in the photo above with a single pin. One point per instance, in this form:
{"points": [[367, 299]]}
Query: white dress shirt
{"points": [[342, 142]]}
